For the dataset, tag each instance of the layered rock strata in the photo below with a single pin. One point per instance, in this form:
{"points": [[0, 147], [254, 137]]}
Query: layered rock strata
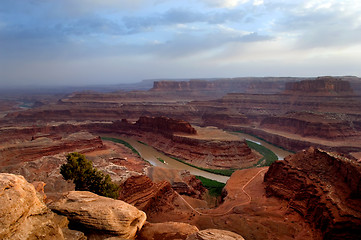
{"points": [[214, 234], [308, 124], [164, 125], [323, 187], [26, 151], [146, 195], [319, 86]]}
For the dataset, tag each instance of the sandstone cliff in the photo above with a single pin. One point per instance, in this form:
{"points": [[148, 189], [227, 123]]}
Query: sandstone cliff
{"points": [[308, 124], [321, 86], [164, 125], [146, 195], [323, 187]]}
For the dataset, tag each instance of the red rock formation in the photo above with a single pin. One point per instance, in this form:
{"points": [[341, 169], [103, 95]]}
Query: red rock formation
{"points": [[164, 125], [166, 231], [219, 87], [147, 196], [30, 150], [324, 188], [322, 85], [181, 180], [308, 124]]}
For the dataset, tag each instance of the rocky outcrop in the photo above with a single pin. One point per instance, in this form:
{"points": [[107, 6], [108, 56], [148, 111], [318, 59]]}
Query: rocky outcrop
{"points": [[321, 85], [164, 125], [146, 195], [214, 234], [106, 215], [323, 187], [44, 146], [182, 181], [22, 214], [166, 231]]}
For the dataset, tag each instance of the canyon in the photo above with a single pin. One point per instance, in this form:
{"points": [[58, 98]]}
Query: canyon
{"points": [[313, 194], [324, 111]]}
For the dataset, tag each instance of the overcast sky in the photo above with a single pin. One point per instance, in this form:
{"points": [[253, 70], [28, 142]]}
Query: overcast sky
{"points": [[64, 42]]}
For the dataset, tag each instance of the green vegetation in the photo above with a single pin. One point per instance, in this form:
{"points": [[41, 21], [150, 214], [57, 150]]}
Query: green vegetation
{"points": [[161, 160], [268, 156], [142, 143], [86, 177], [264, 141], [214, 188], [122, 142]]}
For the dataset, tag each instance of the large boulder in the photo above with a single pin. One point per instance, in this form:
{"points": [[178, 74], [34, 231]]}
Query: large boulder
{"points": [[214, 234], [23, 215], [166, 231], [100, 214]]}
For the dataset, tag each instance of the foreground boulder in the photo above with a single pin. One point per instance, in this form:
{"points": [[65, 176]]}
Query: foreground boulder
{"points": [[23, 215], [100, 214], [166, 231], [214, 234]]}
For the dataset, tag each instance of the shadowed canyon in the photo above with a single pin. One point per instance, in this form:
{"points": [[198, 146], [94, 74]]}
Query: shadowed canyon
{"points": [[193, 159]]}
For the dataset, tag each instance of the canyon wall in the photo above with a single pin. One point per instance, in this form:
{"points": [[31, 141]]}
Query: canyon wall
{"points": [[164, 125], [322, 85], [323, 187], [310, 124]]}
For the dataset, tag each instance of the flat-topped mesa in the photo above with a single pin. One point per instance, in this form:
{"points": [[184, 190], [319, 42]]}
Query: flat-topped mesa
{"points": [[320, 86], [224, 85], [323, 187], [182, 85], [165, 125]]}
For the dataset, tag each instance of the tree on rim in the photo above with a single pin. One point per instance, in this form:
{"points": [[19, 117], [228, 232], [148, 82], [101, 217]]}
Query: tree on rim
{"points": [[86, 177]]}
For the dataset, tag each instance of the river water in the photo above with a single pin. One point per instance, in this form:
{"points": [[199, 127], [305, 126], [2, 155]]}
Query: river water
{"points": [[150, 154], [281, 153]]}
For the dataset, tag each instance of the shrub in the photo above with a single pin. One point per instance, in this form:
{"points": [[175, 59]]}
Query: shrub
{"points": [[86, 177]]}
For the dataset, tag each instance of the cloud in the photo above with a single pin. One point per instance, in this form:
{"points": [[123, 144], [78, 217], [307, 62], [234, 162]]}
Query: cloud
{"points": [[167, 38], [225, 3], [322, 23]]}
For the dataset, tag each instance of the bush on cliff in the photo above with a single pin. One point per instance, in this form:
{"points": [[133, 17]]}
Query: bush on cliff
{"points": [[86, 177]]}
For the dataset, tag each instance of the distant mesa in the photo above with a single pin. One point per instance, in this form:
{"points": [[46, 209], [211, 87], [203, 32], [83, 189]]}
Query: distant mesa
{"points": [[321, 85]]}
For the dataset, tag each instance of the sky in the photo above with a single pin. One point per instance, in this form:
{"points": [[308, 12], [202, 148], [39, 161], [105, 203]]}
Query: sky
{"points": [[85, 42]]}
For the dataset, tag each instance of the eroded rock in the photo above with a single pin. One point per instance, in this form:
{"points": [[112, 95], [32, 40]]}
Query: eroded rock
{"points": [[166, 231], [214, 234], [323, 187], [102, 214], [22, 214]]}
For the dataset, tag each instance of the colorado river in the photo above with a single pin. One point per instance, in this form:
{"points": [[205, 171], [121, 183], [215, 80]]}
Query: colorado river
{"points": [[150, 154], [281, 153]]}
